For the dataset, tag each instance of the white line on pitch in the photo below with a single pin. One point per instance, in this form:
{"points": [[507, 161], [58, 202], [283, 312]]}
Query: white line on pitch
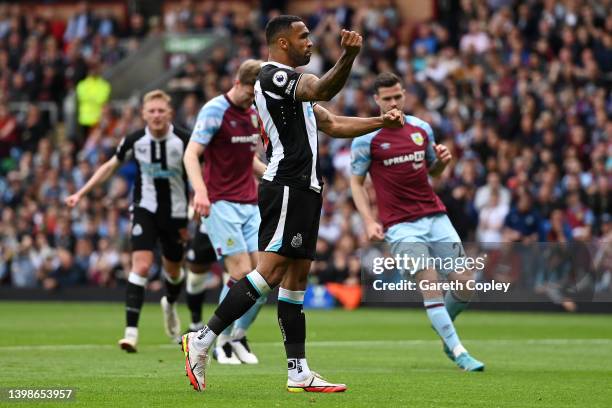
{"points": [[357, 343]]}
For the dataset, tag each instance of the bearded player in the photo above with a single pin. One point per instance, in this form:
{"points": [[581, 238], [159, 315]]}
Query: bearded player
{"points": [[290, 198]]}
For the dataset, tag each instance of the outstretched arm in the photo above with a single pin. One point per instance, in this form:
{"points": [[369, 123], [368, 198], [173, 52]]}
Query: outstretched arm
{"points": [[191, 160], [348, 127], [311, 88], [100, 176]]}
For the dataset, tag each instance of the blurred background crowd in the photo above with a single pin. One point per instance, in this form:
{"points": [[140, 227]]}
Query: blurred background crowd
{"points": [[518, 90]]}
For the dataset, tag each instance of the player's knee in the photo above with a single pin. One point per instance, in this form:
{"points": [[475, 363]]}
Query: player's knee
{"points": [[141, 267], [273, 276]]}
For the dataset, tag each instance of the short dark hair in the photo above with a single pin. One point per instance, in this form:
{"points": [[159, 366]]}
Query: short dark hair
{"points": [[385, 80], [279, 24]]}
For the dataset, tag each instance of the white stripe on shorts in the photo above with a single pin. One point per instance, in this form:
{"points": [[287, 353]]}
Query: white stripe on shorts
{"points": [[280, 228]]}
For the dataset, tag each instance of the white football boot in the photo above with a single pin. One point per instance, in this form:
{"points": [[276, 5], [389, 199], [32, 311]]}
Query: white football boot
{"points": [[195, 362], [314, 383], [172, 322], [243, 351], [129, 340]]}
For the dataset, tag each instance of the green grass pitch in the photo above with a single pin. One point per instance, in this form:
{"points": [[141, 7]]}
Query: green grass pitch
{"points": [[388, 358]]}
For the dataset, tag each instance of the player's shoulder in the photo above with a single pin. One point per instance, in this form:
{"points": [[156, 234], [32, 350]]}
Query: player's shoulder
{"points": [[217, 105], [275, 73], [269, 68], [135, 135], [364, 140], [181, 132], [419, 123]]}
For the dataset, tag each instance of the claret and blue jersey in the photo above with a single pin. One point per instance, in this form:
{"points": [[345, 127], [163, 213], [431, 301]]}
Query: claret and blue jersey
{"points": [[230, 135], [398, 162]]}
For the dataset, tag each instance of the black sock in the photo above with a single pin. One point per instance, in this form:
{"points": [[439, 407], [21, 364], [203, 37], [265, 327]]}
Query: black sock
{"points": [[238, 300], [173, 290], [194, 303], [292, 323], [133, 304]]}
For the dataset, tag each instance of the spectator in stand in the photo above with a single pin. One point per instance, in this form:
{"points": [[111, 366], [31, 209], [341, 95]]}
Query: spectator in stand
{"points": [[81, 24], [520, 93], [93, 93], [491, 220], [9, 136], [522, 224]]}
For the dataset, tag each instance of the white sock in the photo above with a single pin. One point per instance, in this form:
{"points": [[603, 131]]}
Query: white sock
{"points": [[297, 369], [238, 333], [458, 350], [131, 333], [222, 339], [196, 326], [204, 339], [195, 283]]}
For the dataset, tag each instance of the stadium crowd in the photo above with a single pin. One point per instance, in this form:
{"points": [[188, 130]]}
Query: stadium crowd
{"points": [[519, 90]]}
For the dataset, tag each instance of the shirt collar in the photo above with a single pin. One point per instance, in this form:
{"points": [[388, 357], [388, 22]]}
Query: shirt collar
{"points": [[278, 64], [170, 130]]}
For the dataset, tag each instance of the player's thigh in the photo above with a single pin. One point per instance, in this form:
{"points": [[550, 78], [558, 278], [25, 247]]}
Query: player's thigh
{"points": [[408, 240], [446, 247], [289, 220], [224, 226], [296, 277], [173, 238], [250, 227], [144, 232]]}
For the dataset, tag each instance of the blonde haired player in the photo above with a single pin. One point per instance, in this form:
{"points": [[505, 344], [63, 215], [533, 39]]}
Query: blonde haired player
{"points": [[159, 209]]}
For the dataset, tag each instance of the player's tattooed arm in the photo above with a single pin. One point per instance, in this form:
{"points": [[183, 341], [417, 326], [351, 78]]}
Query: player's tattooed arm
{"points": [[100, 176], [311, 88], [347, 127], [191, 161]]}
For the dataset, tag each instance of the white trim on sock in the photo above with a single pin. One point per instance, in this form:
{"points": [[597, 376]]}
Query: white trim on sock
{"points": [[195, 283], [177, 280], [137, 280], [291, 296], [259, 282]]}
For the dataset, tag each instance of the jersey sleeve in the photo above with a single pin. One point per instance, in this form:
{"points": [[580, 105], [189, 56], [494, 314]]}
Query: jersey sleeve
{"points": [[125, 149], [208, 123], [280, 83], [361, 155]]}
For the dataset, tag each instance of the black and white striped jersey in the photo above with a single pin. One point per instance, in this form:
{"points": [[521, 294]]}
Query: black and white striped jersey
{"points": [[161, 182], [289, 129]]}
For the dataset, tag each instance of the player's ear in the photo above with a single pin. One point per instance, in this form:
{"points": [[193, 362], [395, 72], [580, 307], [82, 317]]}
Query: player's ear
{"points": [[283, 43]]}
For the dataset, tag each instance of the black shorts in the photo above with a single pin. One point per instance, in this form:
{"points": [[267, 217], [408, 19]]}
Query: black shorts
{"points": [[289, 220], [148, 228], [201, 251]]}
